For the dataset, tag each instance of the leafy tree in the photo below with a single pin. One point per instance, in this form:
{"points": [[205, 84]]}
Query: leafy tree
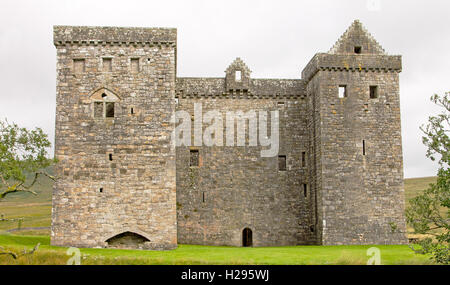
{"points": [[23, 153], [429, 213]]}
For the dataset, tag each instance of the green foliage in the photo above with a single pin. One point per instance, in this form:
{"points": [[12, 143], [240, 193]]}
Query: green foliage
{"points": [[437, 131], [429, 213], [23, 153]]}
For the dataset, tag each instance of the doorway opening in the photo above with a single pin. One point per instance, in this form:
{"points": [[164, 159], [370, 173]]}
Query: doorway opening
{"points": [[247, 238], [127, 240]]}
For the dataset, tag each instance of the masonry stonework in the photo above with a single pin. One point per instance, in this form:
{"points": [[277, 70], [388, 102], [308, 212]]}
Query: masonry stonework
{"points": [[123, 183]]}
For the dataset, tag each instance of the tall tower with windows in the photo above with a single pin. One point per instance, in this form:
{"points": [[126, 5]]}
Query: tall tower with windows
{"points": [[354, 127], [115, 99]]}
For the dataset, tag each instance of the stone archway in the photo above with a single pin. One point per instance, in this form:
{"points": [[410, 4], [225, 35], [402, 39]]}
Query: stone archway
{"points": [[127, 240]]}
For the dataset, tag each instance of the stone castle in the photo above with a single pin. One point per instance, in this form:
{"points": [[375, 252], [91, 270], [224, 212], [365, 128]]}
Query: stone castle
{"points": [[337, 178]]}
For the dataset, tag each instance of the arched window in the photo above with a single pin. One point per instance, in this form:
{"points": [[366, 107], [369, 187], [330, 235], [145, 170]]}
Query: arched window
{"points": [[104, 103]]}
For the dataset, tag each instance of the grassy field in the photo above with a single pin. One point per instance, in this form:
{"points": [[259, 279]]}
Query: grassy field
{"points": [[194, 254], [36, 211]]}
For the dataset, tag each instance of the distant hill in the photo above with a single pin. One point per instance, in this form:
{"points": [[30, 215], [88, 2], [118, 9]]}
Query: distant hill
{"points": [[414, 186]]}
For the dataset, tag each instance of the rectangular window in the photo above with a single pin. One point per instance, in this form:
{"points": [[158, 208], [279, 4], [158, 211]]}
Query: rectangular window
{"points": [[135, 65], [282, 163], [98, 109], [79, 65], [305, 190], [109, 112], [238, 76], [373, 92], [342, 91], [303, 159], [357, 49], [107, 64], [194, 157]]}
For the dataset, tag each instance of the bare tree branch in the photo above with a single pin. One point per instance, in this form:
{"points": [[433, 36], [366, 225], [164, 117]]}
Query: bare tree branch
{"points": [[17, 255]]}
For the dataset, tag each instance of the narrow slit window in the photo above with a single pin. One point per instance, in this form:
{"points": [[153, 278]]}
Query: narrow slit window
{"points": [[357, 49], [305, 190], [109, 112], [194, 157], [110, 157], [132, 111], [303, 159], [203, 197], [364, 147], [282, 163], [373, 92], [107, 64], [342, 91]]}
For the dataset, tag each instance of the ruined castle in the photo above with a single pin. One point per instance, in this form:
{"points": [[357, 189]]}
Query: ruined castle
{"points": [[337, 178]]}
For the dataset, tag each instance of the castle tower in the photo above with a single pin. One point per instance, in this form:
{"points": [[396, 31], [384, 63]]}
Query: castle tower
{"points": [[115, 99], [356, 169]]}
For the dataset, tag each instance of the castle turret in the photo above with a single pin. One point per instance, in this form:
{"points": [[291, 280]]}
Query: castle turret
{"points": [[115, 99], [356, 166]]}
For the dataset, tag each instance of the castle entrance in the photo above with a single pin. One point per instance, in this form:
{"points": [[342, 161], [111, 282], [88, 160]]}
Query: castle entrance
{"points": [[247, 239]]}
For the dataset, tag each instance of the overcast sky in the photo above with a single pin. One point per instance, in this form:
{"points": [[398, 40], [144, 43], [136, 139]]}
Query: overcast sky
{"points": [[275, 38]]}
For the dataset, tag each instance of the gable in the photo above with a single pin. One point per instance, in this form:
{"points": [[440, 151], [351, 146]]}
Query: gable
{"points": [[357, 37]]}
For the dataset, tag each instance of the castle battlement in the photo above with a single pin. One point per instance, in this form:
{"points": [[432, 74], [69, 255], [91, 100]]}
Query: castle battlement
{"points": [[119, 36]]}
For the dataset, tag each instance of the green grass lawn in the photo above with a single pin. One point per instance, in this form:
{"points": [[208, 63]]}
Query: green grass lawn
{"points": [[195, 254], [36, 211]]}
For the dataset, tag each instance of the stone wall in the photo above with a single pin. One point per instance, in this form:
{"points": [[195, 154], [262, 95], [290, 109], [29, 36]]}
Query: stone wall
{"points": [[234, 187], [358, 171], [361, 159], [117, 174]]}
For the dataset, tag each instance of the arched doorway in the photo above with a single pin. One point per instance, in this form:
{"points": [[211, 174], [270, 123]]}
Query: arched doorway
{"points": [[247, 237], [127, 240]]}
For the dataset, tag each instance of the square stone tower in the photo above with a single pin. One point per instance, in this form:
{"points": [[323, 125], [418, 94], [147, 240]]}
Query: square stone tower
{"points": [[356, 169], [115, 99]]}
